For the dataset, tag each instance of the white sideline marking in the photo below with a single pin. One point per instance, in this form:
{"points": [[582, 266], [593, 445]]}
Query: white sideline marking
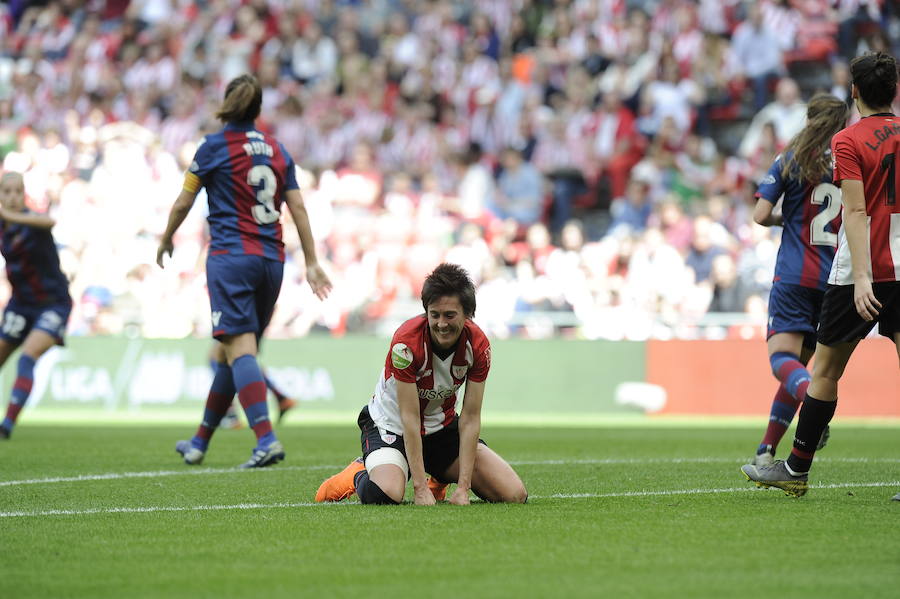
{"points": [[306, 504], [190, 471]]}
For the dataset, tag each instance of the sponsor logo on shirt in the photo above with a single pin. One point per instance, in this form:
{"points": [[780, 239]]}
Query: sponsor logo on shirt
{"points": [[401, 356]]}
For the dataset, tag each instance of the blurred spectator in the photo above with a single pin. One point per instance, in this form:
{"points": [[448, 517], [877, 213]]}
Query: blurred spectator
{"points": [[520, 193], [757, 50]]}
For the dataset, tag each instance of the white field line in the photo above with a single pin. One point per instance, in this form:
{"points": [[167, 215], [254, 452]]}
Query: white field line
{"points": [[609, 461], [307, 504]]}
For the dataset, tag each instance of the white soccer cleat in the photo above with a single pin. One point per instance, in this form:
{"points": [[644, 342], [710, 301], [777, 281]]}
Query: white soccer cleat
{"points": [[192, 456]]}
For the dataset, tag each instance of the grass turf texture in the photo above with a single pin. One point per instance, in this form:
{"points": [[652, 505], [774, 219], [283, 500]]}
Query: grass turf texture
{"points": [[593, 540]]}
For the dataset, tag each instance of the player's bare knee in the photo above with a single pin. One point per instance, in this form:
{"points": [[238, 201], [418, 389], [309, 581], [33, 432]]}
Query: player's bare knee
{"points": [[389, 469]]}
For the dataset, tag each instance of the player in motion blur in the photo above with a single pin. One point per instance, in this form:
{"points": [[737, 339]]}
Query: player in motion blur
{"points": [[247, 176], [411, 426], [809, 214], [864, 284], [36, 315]]}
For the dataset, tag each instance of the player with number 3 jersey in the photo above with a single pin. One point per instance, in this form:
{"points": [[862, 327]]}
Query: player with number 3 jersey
{"points": [[864, 286], [248, 175], [810, 204]]}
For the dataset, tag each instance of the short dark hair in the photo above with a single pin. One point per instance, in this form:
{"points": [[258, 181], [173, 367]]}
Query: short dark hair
{"points": [[449, 280], [875, 76], [243, 100]]}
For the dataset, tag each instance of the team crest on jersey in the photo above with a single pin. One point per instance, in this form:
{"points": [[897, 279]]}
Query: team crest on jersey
{"points": [[768, 179], [459, 371], [401, 356], [388, 438]]}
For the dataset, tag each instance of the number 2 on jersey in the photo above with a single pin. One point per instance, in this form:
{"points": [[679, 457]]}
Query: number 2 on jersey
{"points": [[824, 193], [263, 179]]}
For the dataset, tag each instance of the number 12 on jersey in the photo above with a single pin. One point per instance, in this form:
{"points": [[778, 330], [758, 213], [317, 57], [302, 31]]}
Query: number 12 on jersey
{"points": [[830, 195]]}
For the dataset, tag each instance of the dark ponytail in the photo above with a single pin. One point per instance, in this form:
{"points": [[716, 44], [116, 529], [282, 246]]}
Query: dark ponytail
{"points": [[243, 100], [875, 76]]}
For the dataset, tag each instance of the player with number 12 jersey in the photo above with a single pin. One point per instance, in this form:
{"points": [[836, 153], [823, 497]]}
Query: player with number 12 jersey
{"points": [[810, 209]]}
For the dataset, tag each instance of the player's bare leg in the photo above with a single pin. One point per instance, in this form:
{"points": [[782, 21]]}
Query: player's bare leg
{"points": [[493, 479], [36, 344], [385, 483], [6, 350], [831, 360], [391, 479]]}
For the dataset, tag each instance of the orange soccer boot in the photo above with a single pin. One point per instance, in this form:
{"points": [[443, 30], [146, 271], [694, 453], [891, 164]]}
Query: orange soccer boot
{"points": [[340, 486], [438, 489], [285, 404]]}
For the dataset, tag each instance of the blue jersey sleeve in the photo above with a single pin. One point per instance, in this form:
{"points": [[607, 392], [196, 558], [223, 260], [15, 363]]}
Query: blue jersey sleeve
{"points": [[772, 185], [203, 161], [290, 175]]}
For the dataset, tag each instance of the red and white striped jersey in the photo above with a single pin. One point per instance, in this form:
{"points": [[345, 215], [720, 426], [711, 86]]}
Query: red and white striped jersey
{"points": [[411, 360], [868, 151]]}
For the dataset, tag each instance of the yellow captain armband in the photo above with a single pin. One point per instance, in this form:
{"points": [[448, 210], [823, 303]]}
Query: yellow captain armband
{"points": [[192, 183]]}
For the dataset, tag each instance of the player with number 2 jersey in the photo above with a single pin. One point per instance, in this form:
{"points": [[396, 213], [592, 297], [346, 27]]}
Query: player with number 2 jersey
{"points": [[810, 205], [247, 175]]}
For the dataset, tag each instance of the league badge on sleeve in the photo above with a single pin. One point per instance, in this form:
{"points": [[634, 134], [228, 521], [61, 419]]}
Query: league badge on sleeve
{"points": [[401, 356]]}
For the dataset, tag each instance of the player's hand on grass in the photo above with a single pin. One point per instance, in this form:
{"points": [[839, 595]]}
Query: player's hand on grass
{"points": [[460, 496], [165, 247], [318, 280], [864, 299], [423, 496]]}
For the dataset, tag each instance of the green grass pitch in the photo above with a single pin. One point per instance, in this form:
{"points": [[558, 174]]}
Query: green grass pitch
{"points": [[615, 511]]}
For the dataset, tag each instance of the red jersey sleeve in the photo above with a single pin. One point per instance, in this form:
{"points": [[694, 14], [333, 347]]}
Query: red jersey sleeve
{"points": [[846, 158], [402, 360], [481, 356]]}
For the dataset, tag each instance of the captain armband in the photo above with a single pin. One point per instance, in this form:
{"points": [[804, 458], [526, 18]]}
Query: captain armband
{"points": [[192, 183]]}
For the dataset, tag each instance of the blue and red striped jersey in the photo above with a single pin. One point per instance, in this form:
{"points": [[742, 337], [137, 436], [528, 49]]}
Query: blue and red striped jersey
{"points": [[811, 222], [246, 174], [32, 266]]}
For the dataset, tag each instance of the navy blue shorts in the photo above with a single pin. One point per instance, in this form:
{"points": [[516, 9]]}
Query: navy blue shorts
{"points": [[795, 309], [242, 293], [20, 319]]}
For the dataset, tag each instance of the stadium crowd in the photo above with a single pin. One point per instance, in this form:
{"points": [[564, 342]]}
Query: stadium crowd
{"points": [[576, 156]]}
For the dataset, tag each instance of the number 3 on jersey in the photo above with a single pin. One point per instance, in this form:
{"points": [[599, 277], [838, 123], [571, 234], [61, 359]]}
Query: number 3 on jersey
{"points": [[824, 193], [263, 180]]}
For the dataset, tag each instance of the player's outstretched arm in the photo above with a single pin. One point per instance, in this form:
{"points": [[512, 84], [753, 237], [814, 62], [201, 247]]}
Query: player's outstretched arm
{"points": [[179, 212], [318, 280], [408, 398], [855, 227], [469, 429], [29, 219]]}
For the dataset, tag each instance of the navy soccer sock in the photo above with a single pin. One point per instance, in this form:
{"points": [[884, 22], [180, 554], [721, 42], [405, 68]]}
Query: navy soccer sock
{"points": [[251, 388], [784, 406], [814, 417], [369, 492], [221, 394], [788, 369], [20, 391]]}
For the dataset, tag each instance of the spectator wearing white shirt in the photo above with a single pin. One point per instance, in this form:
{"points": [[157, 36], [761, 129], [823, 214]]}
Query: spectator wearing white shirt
{"points": [[758, 50]]}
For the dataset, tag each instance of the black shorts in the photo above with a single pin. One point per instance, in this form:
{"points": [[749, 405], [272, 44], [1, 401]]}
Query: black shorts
{"points": [[439, 450], [839, 321]]}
